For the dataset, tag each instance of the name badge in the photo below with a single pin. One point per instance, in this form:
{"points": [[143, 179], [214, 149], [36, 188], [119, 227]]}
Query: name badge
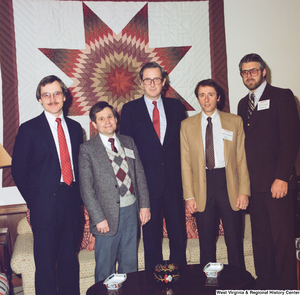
{"points": [[129, 153], [227, 134], [263, 105]]}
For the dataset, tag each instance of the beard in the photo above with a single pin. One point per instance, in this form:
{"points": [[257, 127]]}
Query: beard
{"points": [[253, 84]]}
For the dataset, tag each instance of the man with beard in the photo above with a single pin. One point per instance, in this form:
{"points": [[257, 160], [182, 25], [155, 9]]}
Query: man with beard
{"points": [[271, 125]]}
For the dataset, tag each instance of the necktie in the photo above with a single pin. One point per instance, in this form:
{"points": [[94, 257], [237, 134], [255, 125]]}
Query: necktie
{"points": [[251, 105], [112, 143], [65, 161], [155, 119], [209, 146]]}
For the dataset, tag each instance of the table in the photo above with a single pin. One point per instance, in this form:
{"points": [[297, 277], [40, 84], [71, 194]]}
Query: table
{"points": [[192, 282]]}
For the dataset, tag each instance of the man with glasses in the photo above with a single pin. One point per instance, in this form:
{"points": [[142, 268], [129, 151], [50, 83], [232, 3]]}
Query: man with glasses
{"points": [[271, 125], [45, 170], [154, 123]]}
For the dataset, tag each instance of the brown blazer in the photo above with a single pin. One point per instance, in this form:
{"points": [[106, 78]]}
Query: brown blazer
{"points": [[193, 160]]}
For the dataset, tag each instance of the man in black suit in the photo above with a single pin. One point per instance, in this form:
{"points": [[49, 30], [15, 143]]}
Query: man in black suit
{"points": [[45, 170], [154, 123], [272, 133]]}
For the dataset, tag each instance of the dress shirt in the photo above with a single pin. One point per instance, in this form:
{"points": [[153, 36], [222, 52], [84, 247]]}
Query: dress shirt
{"points": [[53, 126], [107, 143], [217, 137], [162, 115], [258, 93]]}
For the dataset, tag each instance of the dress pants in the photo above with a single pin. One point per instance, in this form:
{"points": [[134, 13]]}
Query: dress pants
{"points": [[56, 263], [273, 239], [172, 208], [218, 205], [122, 247]]}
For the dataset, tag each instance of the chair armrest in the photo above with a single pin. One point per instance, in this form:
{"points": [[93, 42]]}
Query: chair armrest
{"points": [[22, 259], [23, 227]]}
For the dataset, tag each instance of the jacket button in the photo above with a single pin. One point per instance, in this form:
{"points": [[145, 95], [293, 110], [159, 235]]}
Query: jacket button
{"points": [[116, 186]]}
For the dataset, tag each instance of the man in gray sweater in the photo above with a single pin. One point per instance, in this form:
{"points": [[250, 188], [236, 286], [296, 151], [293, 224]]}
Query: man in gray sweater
{"points": [[114, 190]]}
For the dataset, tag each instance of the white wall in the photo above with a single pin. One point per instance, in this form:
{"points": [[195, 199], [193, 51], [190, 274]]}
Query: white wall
{"points": [[267, 27]]}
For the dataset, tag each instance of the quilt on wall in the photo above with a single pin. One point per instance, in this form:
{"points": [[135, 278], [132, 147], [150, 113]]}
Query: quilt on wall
{"points": [[97, 48]]}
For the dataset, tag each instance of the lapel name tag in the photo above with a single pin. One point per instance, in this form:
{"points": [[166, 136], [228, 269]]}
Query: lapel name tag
{"points": [[129, 153], [263, 105], [227, 134]]}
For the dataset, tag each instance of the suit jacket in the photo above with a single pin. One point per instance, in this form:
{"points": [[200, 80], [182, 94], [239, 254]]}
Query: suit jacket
{"points": [[161, 162], [98, 184], [193, 160], [36, 168], [272, 138]]}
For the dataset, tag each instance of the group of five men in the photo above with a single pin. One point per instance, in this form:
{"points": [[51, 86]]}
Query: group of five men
{"points": [[213, 163]]}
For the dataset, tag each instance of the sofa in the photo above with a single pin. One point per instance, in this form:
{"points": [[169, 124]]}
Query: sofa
{"points": [[22, 261]]}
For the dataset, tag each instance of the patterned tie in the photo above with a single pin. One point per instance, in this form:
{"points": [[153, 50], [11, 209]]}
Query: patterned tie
{"points": [[251, 104], [155, 119], [209, 146], [65, 161], [112, 143]]}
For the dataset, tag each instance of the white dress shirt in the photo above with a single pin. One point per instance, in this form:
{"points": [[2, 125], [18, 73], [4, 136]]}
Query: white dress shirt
{"points": [[162, 115]]}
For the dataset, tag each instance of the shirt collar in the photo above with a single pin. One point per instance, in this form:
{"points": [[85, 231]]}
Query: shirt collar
{"points": [[149, 101], [106, 138], [259, 91], [50, 118], [214, 116]]}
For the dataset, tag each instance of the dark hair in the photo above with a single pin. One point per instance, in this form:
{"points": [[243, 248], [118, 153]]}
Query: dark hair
{"points": [[152, 65], [252, 57], [219, 90], [49, 80], [98, 107]]}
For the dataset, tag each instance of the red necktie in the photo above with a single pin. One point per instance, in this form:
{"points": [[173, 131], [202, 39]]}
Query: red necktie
{"points": [[65, 161], [155, 119], [112, 143]]}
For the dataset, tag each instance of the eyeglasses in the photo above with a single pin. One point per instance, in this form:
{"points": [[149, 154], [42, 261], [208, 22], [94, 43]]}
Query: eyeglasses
{"points": [[253, 72], [156, 81], [56, 94]]}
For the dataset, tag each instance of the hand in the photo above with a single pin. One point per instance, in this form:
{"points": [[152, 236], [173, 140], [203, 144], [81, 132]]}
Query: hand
{"points": [[242, 202], [103, 227], [279, 188], [145, 215], [191, 205]]}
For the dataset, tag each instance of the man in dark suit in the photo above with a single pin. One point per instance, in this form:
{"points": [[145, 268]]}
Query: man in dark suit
{"points": [[114, 190], [271, 125], [45, 170], [214, 173], [154, 122]]}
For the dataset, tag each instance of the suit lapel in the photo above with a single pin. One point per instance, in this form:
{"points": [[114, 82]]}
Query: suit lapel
{"points": [[101, 156], [169, 114], [46, 133], [197, 134], [226, 124], [147, 121]]}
